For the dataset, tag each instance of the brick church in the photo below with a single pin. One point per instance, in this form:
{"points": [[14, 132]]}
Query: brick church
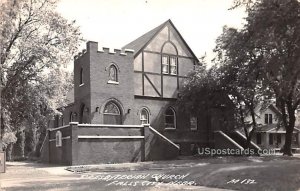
{"points": [[128, 87]]}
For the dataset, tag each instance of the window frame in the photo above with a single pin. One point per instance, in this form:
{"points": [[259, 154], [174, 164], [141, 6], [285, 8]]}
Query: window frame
{"points": [[148, 116], [194, 128], [115, 79], [173, 127], [113, 103], [169, 64], [71, 117], [119, 114], [81, 83], [58, 139], [268, 118]]}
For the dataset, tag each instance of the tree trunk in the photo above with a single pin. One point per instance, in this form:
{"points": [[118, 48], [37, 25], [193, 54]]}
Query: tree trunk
{"points": [[248, 143], [9, 151], [22, 144], [251, 108], [287, 149]]}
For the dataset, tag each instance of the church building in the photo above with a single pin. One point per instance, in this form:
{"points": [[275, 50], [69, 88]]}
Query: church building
{"points": [[120, 89]]}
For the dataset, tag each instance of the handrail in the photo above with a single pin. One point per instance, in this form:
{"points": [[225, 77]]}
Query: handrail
{"points": [[154, 130], [57, 128], [251, 142], [230, 139]]}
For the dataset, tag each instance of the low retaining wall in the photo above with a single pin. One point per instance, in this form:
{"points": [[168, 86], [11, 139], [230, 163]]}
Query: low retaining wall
{"points": [[93, 143]]}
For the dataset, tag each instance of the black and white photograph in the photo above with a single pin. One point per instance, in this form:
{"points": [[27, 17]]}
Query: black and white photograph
{"points": [[149, 95]]}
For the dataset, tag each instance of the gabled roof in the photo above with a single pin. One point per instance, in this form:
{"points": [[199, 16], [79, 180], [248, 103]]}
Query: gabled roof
{"points": [[140, 43]]}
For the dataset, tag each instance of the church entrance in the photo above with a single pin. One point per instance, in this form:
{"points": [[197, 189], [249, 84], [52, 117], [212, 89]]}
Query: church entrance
{"points": [[112, 114]]}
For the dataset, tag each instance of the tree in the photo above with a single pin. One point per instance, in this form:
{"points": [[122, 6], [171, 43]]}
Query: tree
{"points": [[36, 43], [273, 28], [241, 76]]}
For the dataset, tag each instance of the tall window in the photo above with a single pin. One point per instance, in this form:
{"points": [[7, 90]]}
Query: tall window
{"points": [[268, 118], [81, 76], [144, 116], [173, 65], [165, 64], [71, 117], [271, 139], [193, 122], [169, 65], [258, 138], [170, 119], [58, 139], [112, 114], [113, 74]]}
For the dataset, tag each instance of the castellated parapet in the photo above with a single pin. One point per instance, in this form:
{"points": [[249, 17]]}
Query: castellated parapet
{"points": [[92, 46]]}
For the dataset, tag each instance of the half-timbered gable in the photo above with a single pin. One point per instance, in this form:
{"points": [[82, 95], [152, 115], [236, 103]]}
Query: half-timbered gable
{"points": [[162, 61]]}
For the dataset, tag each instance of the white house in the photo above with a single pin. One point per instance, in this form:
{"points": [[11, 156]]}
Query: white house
{"points": [[270, 134]]}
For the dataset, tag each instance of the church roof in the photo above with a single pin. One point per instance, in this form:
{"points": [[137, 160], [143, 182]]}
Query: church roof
{"points": [[140, 43]]}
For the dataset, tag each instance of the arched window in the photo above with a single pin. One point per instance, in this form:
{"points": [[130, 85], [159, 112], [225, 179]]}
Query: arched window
{"points": [[170, 118], [71, 117], [58, 139], [112, 114], [144, 116], [113, 74], [169, 59], [81, 76]]}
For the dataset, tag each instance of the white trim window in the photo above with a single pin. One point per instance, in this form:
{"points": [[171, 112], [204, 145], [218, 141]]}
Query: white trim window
{"points": [[165, 64], [173, 65], [144, 116], [268, 118], [193, 123], [169, 64], [58, 139]]}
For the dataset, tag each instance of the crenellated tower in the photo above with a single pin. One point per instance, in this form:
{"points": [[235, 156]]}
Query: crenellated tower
{"points": [[102, 76]]}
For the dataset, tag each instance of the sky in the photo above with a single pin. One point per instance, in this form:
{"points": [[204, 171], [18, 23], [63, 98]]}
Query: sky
{"points": [[115, 23]]}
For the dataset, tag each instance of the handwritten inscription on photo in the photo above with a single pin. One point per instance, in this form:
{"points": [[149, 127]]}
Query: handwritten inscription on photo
{"points": [[141, 179], [242, 181]]}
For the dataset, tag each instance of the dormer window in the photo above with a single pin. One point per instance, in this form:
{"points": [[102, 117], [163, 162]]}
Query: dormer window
{"points": [[268, 119], [113, 75]]}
